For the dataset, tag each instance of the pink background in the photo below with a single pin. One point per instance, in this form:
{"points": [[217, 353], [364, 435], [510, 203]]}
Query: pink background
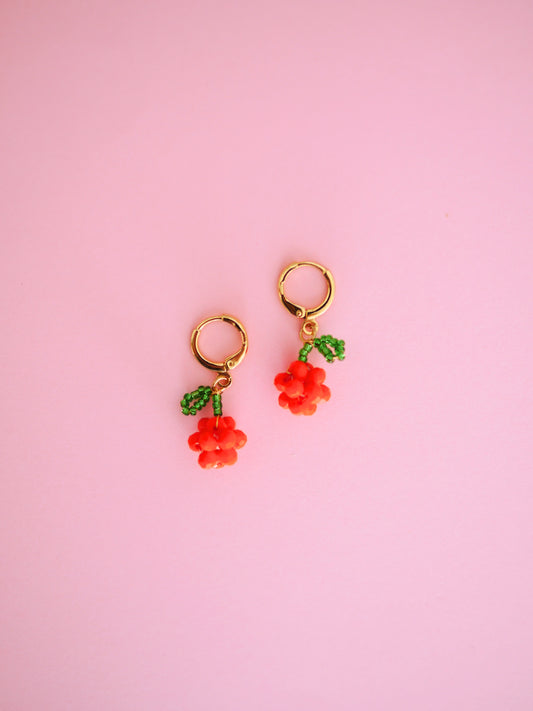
{"points": [[161, 162]]}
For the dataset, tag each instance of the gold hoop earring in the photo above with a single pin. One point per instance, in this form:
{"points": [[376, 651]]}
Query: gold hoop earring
{"points": [[302, 386], [216, 440]]}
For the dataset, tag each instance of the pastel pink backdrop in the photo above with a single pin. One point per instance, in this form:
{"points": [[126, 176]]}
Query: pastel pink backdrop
{"points": [[162, 162]]}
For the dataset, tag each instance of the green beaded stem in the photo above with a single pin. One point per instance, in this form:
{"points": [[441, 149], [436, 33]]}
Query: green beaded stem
{"points": [[192, 402], [330, 348], [217, 404], [304, 352]]}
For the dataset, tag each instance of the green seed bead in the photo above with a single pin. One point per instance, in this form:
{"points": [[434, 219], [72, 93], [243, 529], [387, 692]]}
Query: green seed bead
{"points": [[185, 410]]}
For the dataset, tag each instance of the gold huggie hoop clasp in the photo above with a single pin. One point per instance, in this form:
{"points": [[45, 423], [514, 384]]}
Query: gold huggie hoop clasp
{"points": [[228, 363], [310, 327]]}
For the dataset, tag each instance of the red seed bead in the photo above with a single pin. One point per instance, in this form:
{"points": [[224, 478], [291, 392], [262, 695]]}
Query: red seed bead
{"points": [[299, 369], [326, 392], [309, 409], [316, 376], [313, 393], [281, 380], [294, 388], [204, 424], [295, 406], [240, 439], [207, 441], [194, 443], [208, 460], [226, 439], [227, 457], [284, 400], [226, 423]]}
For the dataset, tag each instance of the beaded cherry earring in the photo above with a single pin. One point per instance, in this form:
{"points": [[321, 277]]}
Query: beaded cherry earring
{"points": [[302, 385], [216, 440]]}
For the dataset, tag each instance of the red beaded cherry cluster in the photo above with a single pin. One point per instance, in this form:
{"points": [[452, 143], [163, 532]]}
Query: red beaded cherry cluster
{"points": [[217, 440], [302, 388], [302, 385]]}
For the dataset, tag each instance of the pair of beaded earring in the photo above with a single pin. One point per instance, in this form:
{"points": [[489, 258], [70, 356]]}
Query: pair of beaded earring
{"points": [[301, 386]]}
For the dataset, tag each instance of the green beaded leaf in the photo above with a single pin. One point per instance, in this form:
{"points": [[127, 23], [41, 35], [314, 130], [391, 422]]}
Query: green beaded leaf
{"points": [[192, 402], [330, 348]]}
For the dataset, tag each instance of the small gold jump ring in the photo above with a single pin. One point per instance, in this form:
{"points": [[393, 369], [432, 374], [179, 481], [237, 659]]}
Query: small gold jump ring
{"points": [[231, 361], [309, 330], [222, 381], [302, 311]]}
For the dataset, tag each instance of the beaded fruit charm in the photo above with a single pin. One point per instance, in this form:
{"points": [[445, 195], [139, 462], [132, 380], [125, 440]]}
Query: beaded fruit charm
{"points": [[216, 440], [302, 385]]}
